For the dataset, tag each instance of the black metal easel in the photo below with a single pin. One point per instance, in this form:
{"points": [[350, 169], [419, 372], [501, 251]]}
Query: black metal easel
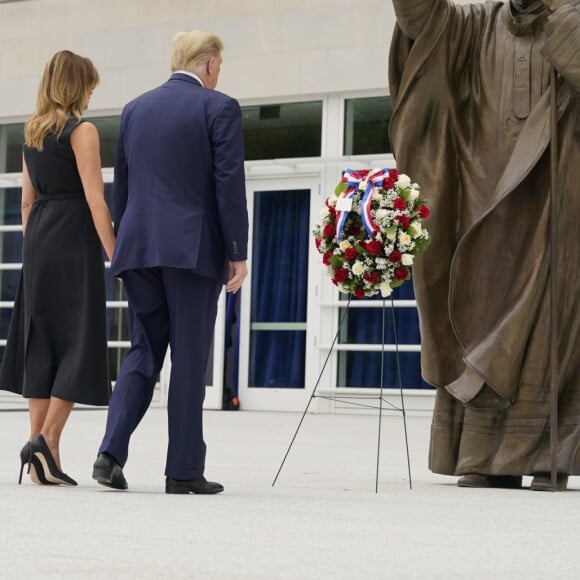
{"points": [[349, 398]]}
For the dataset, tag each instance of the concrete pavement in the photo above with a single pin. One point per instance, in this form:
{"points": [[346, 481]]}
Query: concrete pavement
{"points": [[321, 520]]}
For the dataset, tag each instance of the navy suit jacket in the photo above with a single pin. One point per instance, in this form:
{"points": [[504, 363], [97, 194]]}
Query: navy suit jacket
{"points": [[179, 196]]}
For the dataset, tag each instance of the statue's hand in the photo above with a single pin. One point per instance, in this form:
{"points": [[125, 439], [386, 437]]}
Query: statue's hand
{"points": [[552, 5]]}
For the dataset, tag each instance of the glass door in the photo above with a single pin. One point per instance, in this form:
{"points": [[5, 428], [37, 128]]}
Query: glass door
{"points": [[274, 334]]}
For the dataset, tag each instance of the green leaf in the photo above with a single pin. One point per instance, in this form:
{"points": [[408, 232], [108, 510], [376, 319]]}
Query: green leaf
{"points": [[404, 193], [340, 188], [336, 262], [421, 244]]}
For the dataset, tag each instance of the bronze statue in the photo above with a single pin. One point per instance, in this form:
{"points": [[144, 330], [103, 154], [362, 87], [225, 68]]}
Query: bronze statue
{"points": [[471, 124]]}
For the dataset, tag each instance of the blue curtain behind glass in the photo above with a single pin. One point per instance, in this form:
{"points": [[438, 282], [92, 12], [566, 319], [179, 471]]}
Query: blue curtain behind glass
{"points": [[365, 327], [232, 342], [279, 287]]}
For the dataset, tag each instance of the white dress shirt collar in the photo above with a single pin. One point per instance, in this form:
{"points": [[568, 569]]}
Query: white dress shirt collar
{"points": [[193, 75]]}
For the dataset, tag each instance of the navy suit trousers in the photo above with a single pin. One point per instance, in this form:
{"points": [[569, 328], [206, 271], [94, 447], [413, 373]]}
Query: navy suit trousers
{"points": [[175, 307]]}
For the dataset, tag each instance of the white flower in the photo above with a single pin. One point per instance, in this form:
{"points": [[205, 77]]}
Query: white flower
{"points": [[391, 235], [331, 201], [358, 268], [413, 194], [382, 213], [324, 212], [344, 245], [403, 181], [404, 239], [407, 259], [376, 196], [385, 289], [417, 227]]}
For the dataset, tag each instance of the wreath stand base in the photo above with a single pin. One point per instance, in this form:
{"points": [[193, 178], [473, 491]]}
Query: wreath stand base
{"points": [[382, 404]]}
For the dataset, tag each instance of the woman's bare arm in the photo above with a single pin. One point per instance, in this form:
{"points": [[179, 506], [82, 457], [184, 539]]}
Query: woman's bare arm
{"points": [[28, 195], [85, 144]]}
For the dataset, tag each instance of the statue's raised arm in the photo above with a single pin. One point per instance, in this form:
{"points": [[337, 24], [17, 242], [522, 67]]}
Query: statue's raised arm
{"points": [[412, 15]]}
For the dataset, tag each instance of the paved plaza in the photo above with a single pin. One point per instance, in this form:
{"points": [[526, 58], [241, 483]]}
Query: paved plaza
{"points": [[323, 518]]}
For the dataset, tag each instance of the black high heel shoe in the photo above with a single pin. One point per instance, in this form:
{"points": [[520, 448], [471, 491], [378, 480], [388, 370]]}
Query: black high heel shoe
{"points": [[25, 455], [34, 466], [40, 451]]}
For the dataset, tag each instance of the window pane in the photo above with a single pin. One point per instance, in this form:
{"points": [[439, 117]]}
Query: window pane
{"points": [[363, 370], [365, 326], [366, 126], [108, 128], [11, 138], [283, 130], [10, 253]]}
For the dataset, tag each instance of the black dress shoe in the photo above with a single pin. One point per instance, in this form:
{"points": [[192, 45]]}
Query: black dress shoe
{"points": [[199, 485], [108, 472]]}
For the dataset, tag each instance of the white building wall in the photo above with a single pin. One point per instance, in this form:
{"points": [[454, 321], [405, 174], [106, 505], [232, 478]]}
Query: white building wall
{"points": [[273, 48]]}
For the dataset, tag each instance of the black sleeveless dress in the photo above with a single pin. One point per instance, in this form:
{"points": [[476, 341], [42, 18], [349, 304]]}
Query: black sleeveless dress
{"points": [[57, 342]]}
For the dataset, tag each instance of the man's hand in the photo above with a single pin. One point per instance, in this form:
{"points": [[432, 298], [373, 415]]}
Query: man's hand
{"points": [[238, 271]]}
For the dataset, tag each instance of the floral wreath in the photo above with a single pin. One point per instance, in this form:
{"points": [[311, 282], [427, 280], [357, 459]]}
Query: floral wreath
{"points": [[371, 231]]}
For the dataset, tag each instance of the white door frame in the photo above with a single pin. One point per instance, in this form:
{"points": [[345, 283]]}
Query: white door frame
{"points": [[277, 399]]}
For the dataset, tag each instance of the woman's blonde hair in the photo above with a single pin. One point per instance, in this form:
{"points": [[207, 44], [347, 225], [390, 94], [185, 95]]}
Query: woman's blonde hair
{"points": [[64, 92], [192, 49]]}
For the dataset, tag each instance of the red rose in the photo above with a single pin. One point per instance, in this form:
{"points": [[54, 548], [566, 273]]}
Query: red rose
{"points": [[318, 241], [403, 220], [332, 211], [329, 230], [395, 257], [363, 244], [326, 258], [400, 203], [401, 273], [340, 275], [424, 211], [388, 183], [350, 253], [354, 230], [359, 292], [393, 174], [374, 248], [371, 277]]}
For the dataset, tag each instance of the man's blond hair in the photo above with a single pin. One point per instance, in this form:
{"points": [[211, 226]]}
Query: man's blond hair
{"points": [[192, 49]]}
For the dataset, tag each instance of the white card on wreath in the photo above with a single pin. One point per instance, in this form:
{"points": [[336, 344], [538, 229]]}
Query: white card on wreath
{"points": [[344, 204]]}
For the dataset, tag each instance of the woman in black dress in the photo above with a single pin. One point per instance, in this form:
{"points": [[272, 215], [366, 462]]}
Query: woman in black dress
{"points": [[56, 352]]}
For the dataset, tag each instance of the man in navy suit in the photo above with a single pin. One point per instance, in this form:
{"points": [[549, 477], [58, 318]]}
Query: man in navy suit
{"points": [[180, 213]]}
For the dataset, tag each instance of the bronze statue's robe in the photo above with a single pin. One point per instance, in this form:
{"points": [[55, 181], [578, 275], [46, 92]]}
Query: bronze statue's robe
{"points": [[470, 124]]}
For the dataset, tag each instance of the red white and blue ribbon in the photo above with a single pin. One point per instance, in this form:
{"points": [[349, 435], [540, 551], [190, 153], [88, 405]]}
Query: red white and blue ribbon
{"points": [[354, 179]]}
